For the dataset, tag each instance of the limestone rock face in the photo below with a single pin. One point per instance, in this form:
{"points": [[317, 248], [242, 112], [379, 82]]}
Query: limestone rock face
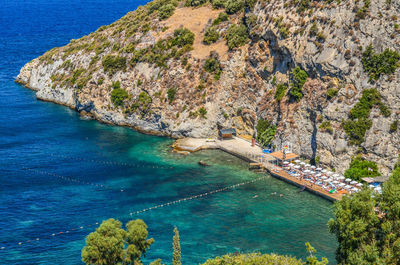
{"points": [[327, 43]]}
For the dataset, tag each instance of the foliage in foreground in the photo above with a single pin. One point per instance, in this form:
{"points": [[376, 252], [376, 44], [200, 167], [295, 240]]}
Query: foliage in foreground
{"points": [[368, 227], [361, 168], [176, 246], [110, 244], [267, 259]]}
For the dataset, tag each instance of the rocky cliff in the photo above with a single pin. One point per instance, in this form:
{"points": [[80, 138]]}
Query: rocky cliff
{"points": [[181, 69]]}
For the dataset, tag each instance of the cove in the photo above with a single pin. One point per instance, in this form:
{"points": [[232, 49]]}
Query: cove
{"points": [[34, 134]]}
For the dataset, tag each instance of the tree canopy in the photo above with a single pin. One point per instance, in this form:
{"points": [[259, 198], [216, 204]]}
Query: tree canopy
{"points": [[110, 244], [360, 168], [367, 225]]}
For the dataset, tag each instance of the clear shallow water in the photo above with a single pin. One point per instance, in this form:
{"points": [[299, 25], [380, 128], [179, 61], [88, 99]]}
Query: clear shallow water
{"points": [[33, 132]]}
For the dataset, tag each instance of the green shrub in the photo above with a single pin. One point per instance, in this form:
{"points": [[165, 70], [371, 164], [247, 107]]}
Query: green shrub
{"points": [[116, 85], [195, 2], [377, 64], [213, 66], [299, 77], [203, 112], [76, 75], [250, 4], [326, 126], [171, 94], [356, 129], [361, 168], [144, 100], [369, 99], [118, 96], [218, 3], [233, 6], [302, 5], [331, 93], [251, 20], [254, 258], [221, 18], [113, 64], [280, 91], [265, 132], [314, 29], [166, 11], [393, 126], [359, 122], [182, 37], [236, 36], [284, 32], [211, 35]]}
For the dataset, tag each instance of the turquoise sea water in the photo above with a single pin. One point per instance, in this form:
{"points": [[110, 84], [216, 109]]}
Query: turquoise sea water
{"points": [[34, 135]]}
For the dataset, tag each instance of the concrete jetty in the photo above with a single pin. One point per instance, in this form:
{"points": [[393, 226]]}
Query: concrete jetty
{"points": [[242, 148]]}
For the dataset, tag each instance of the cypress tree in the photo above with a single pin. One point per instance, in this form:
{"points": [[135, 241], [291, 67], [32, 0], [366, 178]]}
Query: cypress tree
{"points": [[176, 245]]}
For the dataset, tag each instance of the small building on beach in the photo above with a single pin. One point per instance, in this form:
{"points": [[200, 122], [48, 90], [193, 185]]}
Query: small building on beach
{"points": [[280, 157], [227, 133]]}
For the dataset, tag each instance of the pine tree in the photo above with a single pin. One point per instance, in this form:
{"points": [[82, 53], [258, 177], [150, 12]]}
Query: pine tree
{"points": [[176, 245]]}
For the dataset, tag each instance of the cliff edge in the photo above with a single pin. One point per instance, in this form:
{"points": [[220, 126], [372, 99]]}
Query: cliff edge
{"points": [[324, 74]]}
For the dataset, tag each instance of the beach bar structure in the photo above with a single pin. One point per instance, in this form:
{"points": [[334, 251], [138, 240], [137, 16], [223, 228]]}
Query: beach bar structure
{"points": [[280, 157], [227, 133]]}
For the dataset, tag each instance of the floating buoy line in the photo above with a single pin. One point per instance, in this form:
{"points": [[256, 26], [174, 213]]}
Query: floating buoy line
{"points": [[72, 179], [110, 163], [131, 214]]}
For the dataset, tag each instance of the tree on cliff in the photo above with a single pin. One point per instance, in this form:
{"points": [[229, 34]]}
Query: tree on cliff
{"points": [[110, 244], [367, 225], [176, 245]]}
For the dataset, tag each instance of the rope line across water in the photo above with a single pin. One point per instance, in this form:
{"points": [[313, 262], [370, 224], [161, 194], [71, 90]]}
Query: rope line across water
{"points": [[202, 195], [112, 163], [71, 179]]}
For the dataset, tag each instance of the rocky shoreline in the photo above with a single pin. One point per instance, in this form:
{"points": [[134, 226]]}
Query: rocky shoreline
{"points": [[179, 98]]}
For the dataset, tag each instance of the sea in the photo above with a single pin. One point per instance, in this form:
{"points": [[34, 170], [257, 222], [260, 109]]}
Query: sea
{"points": [[61, 175]]}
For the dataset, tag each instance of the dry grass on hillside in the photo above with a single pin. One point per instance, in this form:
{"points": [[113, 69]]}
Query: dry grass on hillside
{"points": [[196, 19]]}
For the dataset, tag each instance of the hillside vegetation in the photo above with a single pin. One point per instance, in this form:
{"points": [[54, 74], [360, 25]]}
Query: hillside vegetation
{"points": [[324, 74]]}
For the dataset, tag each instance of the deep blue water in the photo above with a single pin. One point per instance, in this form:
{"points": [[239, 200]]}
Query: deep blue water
{"points": [[34, 135]]}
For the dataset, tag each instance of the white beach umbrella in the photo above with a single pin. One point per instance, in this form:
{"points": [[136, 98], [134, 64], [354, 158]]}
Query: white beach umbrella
{"points": [[329, 173], [302, 163], [335, 182], [308, 165], [341, 178], [359, 185], [353, 182], [318, 169], [297, 161], [285, 162], [347, 187], [307, 171], [324, 171], [330, 179], [354, 189], [296, 166], [342, 185], [347, 180], [335, 175], [324, 177], [313, 172], [318, 175], [312, 167], [371, 186]]}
